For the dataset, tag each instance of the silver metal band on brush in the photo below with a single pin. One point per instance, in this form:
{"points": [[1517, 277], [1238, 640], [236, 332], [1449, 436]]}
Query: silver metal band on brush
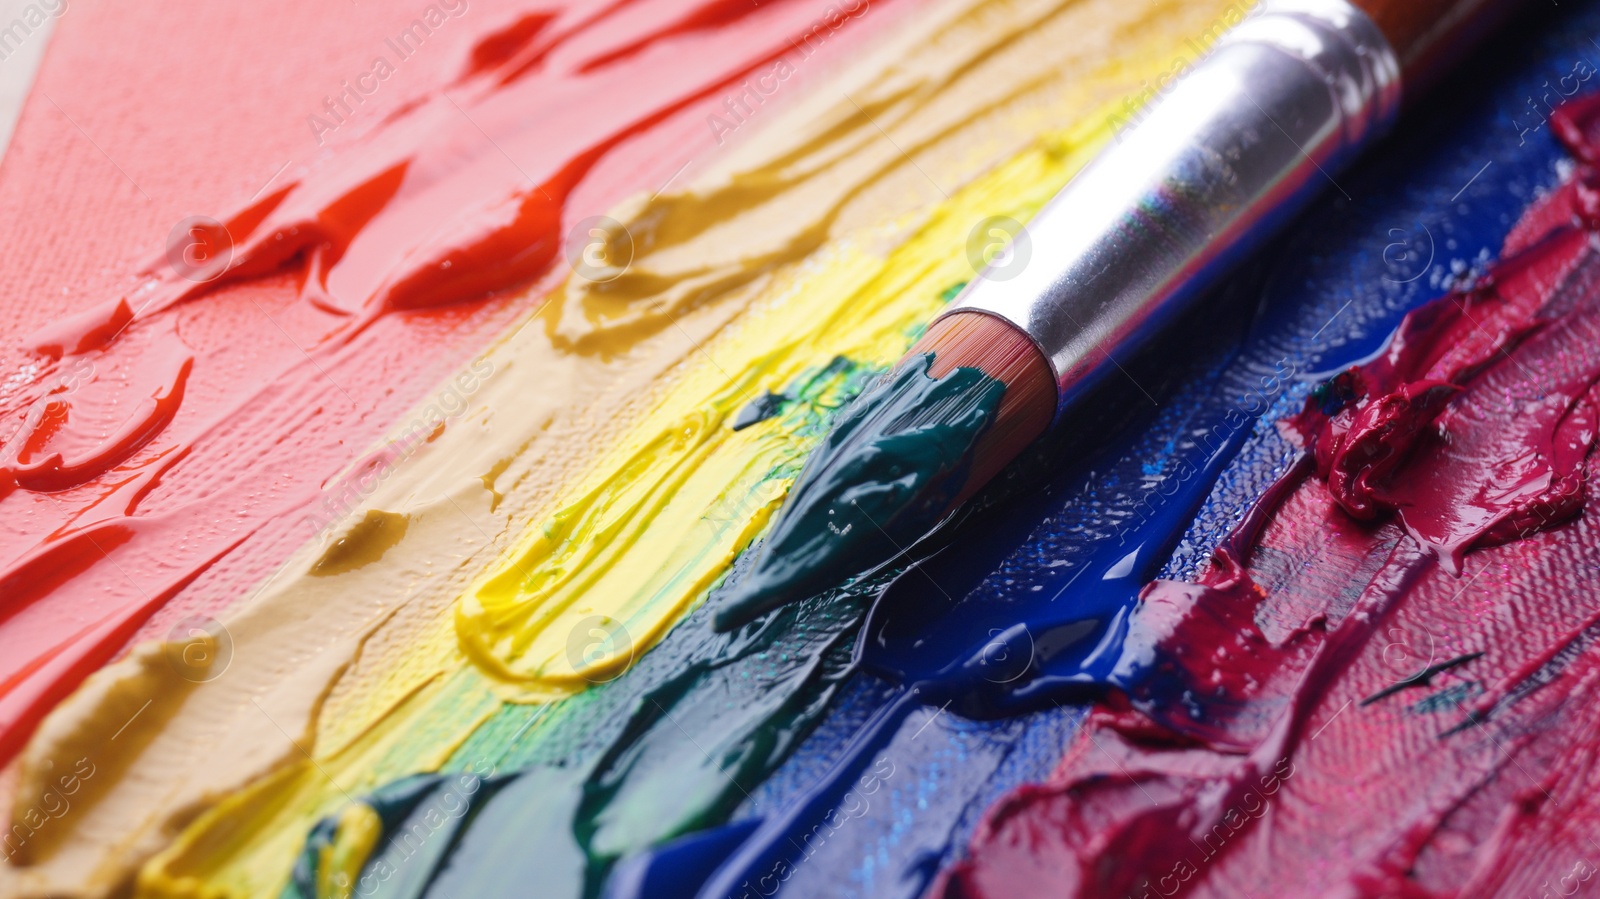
{"points": [[1245, 138]]}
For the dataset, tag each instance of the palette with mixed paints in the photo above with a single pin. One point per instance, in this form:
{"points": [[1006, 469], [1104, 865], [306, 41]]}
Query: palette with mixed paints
{"points": [[1367, 668]]}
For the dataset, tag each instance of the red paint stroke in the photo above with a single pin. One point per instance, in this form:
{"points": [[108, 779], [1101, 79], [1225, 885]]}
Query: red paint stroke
{"points": [[164, 449], [1388, 684]]}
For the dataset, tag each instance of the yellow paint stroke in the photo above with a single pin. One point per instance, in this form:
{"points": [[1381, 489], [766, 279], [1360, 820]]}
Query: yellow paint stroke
{"points": [[596, 482], [339, 867]]}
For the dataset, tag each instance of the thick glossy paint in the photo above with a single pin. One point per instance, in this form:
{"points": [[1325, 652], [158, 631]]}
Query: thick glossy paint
{"points": [[888, 471]]}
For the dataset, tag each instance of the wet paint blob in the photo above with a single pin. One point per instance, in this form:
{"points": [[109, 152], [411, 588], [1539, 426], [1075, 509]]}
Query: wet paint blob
{"points": [[890, 469]]}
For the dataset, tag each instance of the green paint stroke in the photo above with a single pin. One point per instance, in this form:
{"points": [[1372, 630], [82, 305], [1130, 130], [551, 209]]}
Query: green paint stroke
{"points": [[889, 470]]}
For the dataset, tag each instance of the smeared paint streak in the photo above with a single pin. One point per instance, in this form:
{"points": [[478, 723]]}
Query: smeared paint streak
{"points": [[889, 470], [759, 410], [363, 544], [1252, 712]]}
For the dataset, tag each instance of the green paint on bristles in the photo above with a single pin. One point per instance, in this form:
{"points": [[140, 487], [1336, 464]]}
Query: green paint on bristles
{"points": [[887, 472]]}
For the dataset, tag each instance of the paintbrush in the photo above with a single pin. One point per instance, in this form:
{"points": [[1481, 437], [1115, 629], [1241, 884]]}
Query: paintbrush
{"points": [[1219, 160]]}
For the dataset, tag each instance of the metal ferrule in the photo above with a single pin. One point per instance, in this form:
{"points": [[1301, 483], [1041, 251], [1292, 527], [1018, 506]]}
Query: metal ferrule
{"points": [[1243, 140]]}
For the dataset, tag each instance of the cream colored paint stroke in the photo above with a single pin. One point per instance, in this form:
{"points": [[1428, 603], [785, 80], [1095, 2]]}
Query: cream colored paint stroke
{"points": [[341, 682]]}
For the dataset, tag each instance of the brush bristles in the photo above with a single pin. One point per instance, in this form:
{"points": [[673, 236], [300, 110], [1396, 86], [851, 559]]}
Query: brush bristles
{"points": [[1000, 350]]}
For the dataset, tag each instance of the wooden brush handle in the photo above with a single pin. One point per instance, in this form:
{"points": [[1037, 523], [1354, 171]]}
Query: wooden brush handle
{"points": [[1430, 35]]}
